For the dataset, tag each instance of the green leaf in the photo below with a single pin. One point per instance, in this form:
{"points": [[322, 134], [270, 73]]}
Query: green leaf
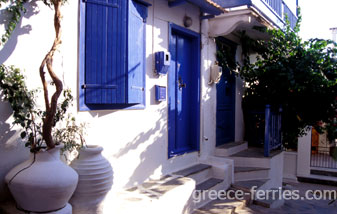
{"points": [[23, 134]]}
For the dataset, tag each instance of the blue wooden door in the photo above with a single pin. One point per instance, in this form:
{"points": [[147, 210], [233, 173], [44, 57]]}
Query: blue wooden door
{"points": [[184, 91], [225, 108]]}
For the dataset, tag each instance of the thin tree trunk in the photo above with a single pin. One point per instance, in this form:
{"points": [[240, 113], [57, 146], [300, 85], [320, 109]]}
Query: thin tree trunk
{"points": [[51, 106]]}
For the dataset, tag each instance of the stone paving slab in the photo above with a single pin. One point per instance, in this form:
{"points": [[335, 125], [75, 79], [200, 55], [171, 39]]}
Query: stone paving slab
{"points": [[298, 206]]}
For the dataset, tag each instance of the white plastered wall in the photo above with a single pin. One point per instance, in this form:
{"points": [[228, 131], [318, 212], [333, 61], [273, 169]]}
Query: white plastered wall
{"points": [[134, 141], [290, 166]]}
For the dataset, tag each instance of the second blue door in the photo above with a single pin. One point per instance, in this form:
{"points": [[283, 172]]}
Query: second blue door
{"points": [[225, 95], [183, 91]]}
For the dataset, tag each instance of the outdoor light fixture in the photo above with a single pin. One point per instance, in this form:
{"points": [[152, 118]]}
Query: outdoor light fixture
{"points": [[188, 21]]}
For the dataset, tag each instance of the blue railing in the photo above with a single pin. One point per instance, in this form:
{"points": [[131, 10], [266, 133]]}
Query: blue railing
{"points": [[272, 132], [275, 5], [291, 17], [281, 9], [263, 128]]}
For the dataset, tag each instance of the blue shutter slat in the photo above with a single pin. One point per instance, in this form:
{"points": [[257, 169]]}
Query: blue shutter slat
{"points": [[123, 54], [105, 51], [111, 94], [101, 2], [136, 52], [90, 52], [119, 38], [101, 76]]}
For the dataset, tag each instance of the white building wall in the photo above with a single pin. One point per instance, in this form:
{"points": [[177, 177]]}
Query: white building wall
{"points": [[239, 91], [290, 166], [208, 93], [134, 141]]}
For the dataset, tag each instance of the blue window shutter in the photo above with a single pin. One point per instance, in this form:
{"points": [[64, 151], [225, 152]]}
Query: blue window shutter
{"points": [[136, 52], [105, 51]]}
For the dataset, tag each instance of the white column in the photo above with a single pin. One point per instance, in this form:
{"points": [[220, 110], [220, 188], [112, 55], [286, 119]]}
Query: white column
{"points": [[303, 155]]}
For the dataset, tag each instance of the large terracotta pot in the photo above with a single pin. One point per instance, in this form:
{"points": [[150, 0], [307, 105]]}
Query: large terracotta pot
{"points": [[95, 180], [43, 183]]}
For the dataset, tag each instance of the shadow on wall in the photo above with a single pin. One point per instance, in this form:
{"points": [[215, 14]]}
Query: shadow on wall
{"points": [[9, 47], [12, 149], [151, 158]]}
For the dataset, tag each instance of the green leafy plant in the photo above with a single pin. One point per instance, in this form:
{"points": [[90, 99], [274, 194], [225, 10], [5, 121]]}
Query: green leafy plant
{"points": [[15, 8], [299, 76], [71, 136], [30, 118]]}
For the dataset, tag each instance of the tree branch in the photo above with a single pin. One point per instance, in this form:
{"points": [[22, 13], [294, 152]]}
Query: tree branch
{"points": [[48, 62]]}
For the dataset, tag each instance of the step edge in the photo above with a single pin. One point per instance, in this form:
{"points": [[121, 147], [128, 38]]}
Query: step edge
{"points": [[218, 182], [205, 167]]}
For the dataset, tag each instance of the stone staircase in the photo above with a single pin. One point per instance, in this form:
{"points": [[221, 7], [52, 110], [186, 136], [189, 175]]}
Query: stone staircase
{"points": [[252, 172], [206, 179], [180, 192], [234, 167]]}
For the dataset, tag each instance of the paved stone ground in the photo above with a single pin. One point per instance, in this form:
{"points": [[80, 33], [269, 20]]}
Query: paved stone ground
{"points": [[298, 206], [289, 207]]}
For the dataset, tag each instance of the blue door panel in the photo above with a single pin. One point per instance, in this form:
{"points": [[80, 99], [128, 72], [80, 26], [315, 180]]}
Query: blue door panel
{"points": [[225, 115], [183, 93]]}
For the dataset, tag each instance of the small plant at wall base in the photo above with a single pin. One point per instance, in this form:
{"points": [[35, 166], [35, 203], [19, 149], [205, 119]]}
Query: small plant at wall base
{"points": [[299, 76]]}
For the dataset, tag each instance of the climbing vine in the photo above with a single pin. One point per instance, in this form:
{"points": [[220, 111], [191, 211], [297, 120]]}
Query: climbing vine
{"points": [[301, 76], [15, 10]]}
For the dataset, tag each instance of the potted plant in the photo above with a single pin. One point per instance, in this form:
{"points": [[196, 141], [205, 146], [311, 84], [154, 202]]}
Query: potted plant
{"points": [[36, 184]]}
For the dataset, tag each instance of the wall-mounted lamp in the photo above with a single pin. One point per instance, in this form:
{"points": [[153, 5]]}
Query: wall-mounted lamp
{"points": [[216, 72], [188, 21]]}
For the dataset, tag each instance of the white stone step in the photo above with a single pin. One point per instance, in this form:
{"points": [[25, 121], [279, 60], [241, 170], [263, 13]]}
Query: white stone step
{"points": [[319, 179], [253, 157], [250, 173], [272, 200], [199, 172], [324, 172], [202, 190], [156, 196], [229, 149], [221, 207], [253, 185], [250, 162]]}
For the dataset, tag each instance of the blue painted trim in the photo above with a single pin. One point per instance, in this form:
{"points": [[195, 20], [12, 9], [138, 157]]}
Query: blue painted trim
{"points": [[97, 107], [207, 17], [232, 3], [185, 32], [143, 3], [266, 132], [171, 126], [176, 3], [81, 60]]}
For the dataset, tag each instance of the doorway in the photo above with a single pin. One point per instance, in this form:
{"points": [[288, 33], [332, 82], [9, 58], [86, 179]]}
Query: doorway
{"points": [[183, 91]]}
